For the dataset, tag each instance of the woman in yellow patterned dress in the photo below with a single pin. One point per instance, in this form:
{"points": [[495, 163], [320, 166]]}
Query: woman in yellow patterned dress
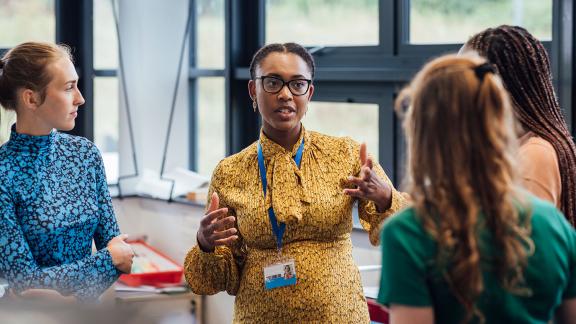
{"points": [[287, 199]]}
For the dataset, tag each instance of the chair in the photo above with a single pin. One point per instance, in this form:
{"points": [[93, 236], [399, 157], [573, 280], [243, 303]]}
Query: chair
{"points": [[378, 313]]}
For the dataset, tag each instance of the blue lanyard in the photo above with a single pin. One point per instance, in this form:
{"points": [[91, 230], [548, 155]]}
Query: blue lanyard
{"points": [[277, 229]]}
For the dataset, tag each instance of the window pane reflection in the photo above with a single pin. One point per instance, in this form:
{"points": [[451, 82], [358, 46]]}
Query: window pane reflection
{"points": [[26, 20], [211, 129], [106, 124], [454, 21], [357, 120], [326, 23]]}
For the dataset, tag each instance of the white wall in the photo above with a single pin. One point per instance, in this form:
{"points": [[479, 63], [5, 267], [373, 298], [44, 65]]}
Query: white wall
{"points": [[151, 33]]}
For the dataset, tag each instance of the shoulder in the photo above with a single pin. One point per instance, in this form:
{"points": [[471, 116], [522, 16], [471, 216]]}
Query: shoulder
{"points": [[537, 150], [547, 221], [403, 237], [406, 218], [77, 143], [543, 212], [404, 226], [334, 144], [236, 163]]}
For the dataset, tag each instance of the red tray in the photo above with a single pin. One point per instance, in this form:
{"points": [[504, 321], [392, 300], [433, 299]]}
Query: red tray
{"points": [[158, 278]]}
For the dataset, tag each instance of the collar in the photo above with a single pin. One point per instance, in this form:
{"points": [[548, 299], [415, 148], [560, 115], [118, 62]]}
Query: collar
{"points": [[271, 148], [30, 143]]}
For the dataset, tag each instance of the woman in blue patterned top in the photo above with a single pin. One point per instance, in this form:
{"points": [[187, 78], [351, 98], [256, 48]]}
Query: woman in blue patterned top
{"points": [[54, 199]]}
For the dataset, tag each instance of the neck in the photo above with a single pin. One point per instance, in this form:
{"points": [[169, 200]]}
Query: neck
{"points": [[28, 127], [286, 139]]}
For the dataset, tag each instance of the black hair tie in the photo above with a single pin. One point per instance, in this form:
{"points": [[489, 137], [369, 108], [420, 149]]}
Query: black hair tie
{"points": [[484, 68]]}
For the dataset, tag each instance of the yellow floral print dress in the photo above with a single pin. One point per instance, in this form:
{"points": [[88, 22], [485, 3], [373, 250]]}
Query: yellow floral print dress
{"points": [[318, 219]]}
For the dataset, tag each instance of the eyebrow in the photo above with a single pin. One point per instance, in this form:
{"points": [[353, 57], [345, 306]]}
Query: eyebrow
{"points": [[71, 81], [297, 76]]}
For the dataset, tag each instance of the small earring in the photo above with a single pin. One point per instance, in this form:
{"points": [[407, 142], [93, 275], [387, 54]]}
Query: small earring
{"points": [[254, 105]]}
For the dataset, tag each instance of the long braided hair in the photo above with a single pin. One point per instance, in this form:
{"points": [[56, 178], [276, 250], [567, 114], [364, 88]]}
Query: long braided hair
{"points": [[523, 65]]}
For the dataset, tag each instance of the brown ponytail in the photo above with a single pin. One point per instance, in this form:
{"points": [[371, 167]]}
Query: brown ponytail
{"points": [[461, 177], [24, 67]]}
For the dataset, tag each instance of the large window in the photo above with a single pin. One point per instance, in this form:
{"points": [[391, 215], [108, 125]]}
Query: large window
{"points": [[211, 121], [454, 21], [105, 40], [323, 22], [106, 94], [210, 34], [106, 123], [26, 20], [208, 91], [365, 51], [356, 120]]}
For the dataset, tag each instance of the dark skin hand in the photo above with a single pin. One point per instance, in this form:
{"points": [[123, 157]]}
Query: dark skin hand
{"points": [[216, 227], [368, 185]]}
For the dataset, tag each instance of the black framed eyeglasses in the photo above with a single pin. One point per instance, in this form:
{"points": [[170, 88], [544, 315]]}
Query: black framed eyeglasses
{"points": [[273, 85]]}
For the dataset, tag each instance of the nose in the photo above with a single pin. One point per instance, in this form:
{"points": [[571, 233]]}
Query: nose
{"points": [[79, 99], [285, 93]]}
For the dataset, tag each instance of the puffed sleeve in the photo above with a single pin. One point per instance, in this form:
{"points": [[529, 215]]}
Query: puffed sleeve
{"points": [[370, 218], [208, 273]]}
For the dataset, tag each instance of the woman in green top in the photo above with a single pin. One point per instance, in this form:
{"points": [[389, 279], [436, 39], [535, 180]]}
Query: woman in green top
{"points": [[473, 247]]}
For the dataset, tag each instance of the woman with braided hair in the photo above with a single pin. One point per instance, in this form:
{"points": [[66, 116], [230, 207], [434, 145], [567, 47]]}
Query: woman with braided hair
{"points": [[474, 246], [547, 153]]}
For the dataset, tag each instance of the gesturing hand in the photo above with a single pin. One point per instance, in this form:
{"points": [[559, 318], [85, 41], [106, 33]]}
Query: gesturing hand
{"points": [[369, 185], [121, 252], [215, 227]]}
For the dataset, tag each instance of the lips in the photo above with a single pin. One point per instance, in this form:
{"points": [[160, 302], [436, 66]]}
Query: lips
{"points": [[285, 113], [285, 110]]}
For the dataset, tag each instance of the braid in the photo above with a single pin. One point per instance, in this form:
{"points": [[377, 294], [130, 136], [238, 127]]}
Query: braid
{"points": [[523, 64]]}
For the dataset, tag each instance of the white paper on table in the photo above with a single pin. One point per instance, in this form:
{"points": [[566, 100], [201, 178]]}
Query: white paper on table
{"points": [[185, 181]]}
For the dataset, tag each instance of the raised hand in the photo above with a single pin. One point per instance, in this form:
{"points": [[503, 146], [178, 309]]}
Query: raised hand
{"points": [[216, 228], [369, 185]]}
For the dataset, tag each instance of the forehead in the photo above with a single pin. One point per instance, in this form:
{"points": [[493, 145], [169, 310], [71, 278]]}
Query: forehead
{"points": [[284, 64], [62, 71]]}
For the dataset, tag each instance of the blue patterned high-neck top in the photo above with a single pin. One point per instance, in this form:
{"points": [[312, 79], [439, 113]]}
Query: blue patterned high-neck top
{"points": [[53, 201]]}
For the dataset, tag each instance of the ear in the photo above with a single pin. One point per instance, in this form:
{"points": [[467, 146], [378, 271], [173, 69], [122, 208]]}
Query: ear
{"points": [[252, 89], [310, 92], [29, 99]]}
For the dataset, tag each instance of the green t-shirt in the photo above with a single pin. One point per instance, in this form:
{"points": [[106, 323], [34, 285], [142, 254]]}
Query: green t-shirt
{"points": [[410, 275]]}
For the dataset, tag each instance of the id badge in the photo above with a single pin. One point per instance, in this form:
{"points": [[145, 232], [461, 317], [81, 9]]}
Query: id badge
{"points": [[280, 274]]}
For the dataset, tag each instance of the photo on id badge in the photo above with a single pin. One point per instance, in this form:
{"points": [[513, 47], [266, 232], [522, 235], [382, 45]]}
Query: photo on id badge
{"points": [[280, 275]]}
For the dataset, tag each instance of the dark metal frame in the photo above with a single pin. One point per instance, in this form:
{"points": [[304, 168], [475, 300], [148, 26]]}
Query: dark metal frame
{"points": [[365, 74], [371, 74], [74, 28]]}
